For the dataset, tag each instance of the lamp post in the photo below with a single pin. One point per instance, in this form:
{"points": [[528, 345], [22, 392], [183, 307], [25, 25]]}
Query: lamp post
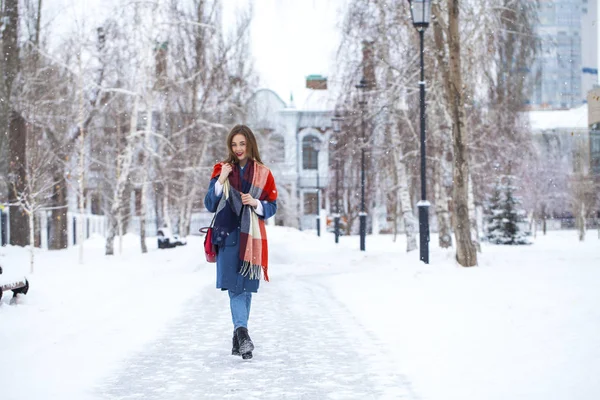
{"points": [[420, 11], [337, 128], [362, 101]]}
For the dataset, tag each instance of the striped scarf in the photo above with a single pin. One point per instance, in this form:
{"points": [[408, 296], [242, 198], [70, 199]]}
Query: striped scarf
{"points": [[257, 181]]}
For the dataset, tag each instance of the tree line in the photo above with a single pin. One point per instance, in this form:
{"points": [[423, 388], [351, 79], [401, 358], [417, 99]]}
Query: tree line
{"points": [[137, 101]]}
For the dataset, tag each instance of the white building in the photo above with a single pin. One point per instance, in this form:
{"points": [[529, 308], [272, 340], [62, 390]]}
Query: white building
{"points": [[294, 144], [561, 135]]}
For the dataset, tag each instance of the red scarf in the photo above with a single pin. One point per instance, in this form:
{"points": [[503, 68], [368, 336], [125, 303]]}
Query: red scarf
{"points": [[258, 181]]}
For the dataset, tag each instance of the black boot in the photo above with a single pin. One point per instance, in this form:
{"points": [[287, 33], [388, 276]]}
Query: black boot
{"points": [[235, 349], [246, 345]]}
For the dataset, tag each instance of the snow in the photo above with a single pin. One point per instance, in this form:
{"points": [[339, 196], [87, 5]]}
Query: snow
{"points": [[290, 40], [574, 118], [333, 323], [316, 100]]}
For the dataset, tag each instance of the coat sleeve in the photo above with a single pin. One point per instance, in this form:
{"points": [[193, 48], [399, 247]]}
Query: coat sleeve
{"points": [[269, 201], [269, 209], [211, 200]]}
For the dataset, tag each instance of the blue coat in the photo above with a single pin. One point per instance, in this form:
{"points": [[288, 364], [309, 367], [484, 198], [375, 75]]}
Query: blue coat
{"points": [[228, 255]]}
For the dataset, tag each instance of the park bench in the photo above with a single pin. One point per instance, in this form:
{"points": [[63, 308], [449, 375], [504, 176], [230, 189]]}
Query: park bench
{"points": [[17, 286]]}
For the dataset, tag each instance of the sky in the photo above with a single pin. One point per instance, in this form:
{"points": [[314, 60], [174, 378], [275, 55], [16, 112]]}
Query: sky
{"points": [[292, 39]]}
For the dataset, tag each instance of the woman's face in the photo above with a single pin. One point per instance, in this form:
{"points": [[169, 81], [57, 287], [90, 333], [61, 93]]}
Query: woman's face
{"points": [[238, 146]]}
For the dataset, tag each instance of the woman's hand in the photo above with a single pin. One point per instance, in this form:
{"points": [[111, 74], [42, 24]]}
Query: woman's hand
{"points": [[249, 200], [225, 171]]}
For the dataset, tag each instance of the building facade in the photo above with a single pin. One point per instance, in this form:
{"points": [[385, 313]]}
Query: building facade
{"points": [[589, 45], [568, 144], [594, 124], [567, 64], [294, 144]]}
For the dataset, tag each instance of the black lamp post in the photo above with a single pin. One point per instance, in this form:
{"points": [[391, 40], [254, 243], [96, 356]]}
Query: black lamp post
{"points": [[337, 128], [362, 101], [420, 11]]}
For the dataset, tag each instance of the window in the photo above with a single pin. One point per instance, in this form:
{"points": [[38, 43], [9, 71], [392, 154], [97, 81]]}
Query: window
{"points": [[309, 153], [596, 145], [310, 203]]}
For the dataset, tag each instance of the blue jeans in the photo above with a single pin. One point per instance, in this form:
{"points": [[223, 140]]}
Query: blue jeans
{"points": [[240, 308]]}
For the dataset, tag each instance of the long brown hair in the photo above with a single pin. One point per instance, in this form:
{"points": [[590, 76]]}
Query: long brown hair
{"points": [[251, 145]]}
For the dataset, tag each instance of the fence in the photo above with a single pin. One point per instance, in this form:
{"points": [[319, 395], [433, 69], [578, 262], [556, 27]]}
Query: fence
{"points": [[92, 225], [198, 220]]}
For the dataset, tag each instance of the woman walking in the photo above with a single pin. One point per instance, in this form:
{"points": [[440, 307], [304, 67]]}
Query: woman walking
{"points": [[243, 195]]}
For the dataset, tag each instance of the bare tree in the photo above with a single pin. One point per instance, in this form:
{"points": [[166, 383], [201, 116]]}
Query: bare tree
{"points": [[36, 192], [448, 42], [583, 196], [12, 119], [210, 84]]}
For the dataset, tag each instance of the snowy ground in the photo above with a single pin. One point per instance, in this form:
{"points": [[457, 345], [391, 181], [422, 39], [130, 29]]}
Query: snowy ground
{"points": [[333, 323]]}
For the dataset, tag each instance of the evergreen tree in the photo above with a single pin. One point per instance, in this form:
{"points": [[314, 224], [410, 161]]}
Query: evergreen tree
{"points": [[504, 214], [495, 215]]}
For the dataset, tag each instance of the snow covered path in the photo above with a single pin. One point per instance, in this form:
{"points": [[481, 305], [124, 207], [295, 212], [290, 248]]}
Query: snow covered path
{"points": [[334, 323], [302, 351]]}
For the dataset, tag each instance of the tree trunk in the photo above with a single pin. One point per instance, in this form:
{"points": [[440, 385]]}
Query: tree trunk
{"points": [[124, 161], [396, 206], [473, 217], [143, 220], [441, 210], [186, 214], [544, 230], [10, 70], [109, 249], [581, 221], [58, 237], [10, 41], [531, 218], [448, 43], [31, 240], [120, 231], [81, 218], [158, 196], [146, 170], [38, 229], [404, 204], [166, 215], [408, 218], [17, 143], [466, 253]]}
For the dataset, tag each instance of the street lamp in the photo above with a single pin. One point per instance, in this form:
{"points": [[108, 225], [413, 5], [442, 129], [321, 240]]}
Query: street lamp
{"points": [[337, 128], [362, 101], [420, 11]]}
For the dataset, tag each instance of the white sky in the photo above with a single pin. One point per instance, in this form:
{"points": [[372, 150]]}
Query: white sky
{"points": [[292, 39]]}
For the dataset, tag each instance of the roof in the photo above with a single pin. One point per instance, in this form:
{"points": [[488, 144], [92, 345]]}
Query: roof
{"points": [[573, 118], [317, 100]]}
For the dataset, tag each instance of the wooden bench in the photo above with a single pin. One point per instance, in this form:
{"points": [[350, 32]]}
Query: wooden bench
{"points": [[20, 286]]}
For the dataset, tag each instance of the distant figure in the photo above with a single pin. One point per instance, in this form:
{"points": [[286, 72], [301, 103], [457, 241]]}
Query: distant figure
{"points": [[243, 195]]}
